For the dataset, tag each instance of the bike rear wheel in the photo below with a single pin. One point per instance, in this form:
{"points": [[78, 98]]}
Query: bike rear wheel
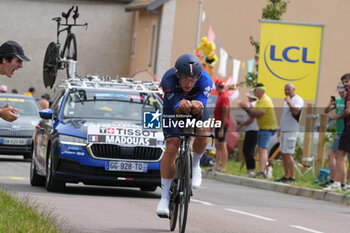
{"points": [[50, 65], [185, 193], [70, 51], [174, 204]]}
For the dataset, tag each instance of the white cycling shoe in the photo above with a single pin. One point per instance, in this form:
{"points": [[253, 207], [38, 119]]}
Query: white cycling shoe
{"points": [[163, 208], [196, 177]]}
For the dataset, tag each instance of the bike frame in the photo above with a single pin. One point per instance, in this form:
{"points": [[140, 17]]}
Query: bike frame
{"points": [[67, 28], [183, 163]]}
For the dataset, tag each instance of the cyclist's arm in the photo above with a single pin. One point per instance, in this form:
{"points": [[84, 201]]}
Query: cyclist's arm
{"points": [[205, 86], [167, 84]]}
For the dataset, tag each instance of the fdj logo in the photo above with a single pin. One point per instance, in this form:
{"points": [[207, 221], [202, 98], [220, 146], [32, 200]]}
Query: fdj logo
{"points": [[152, 120], [288, 63]]}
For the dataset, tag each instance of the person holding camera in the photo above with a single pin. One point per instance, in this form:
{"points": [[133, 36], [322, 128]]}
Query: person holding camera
{"points": [[338, 104]]}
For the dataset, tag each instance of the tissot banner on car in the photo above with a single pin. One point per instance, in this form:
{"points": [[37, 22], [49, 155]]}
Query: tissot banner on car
{"points": [[290, 53], [121, 135]]}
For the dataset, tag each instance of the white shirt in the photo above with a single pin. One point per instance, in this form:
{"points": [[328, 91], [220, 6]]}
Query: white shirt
{"points": [[288, 122], [252, 126]]}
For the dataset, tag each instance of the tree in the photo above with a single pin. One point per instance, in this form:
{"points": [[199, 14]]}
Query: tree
{"points": [[274, 11]]}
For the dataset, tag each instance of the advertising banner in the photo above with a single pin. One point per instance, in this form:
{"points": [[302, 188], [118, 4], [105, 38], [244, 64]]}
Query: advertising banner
{"points": [[290, 53]]}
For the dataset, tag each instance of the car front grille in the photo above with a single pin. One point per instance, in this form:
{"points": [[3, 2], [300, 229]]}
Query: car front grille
{"points": [[128, 153], [16, 133]]}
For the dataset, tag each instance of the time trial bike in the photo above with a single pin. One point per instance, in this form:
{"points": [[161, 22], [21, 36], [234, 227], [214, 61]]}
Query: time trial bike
{"points": [[181, 186], [56, 58]]}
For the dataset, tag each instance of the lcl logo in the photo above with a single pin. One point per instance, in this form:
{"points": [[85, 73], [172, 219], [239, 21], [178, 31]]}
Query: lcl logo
{"points": [[300, 55], [286, 57]]}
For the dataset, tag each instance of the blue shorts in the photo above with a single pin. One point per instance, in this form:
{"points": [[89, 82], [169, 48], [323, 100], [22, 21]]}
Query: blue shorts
{"points": [[171, 131], [264, 137], [335, 144]]}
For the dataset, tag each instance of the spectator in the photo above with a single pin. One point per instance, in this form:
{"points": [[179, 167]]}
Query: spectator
{"points": [[251, 129], [30, 91], [344, 145], [265, 113], [44, 102], [14, 91], [222, 113], [11, 58], [293, 105], [3, 88], [338, 105]]}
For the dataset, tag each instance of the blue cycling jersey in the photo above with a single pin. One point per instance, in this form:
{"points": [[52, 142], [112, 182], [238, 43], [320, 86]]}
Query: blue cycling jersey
{"points": [[173, 92]]}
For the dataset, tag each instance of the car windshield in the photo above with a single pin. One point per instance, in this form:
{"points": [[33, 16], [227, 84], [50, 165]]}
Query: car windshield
{"points": [[109, 105], [25, 106]]}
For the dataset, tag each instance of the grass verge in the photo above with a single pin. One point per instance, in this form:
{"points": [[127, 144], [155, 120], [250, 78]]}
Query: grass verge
{"points": [[307, 180], [22, 215]]}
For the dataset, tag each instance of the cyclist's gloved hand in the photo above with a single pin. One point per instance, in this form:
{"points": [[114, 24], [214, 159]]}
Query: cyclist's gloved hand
{"points": [[197, 107], [185, 106]]}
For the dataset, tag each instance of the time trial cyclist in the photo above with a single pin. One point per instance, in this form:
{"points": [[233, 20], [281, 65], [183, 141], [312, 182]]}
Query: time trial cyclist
{"points": [[186, 89]]}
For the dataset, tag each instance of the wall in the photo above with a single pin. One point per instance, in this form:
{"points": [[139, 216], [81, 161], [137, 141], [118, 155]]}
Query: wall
{"points": [[234, 21], [102, 49]]}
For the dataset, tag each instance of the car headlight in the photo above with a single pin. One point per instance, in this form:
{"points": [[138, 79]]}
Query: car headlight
{"points": [[65, 139]]}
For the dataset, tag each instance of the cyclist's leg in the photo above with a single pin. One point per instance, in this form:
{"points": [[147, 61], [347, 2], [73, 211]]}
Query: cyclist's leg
{"points": [[167, 169], [199, 145]]}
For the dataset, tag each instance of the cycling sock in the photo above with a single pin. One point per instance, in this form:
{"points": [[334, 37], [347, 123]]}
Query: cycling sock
{"points": [[166, 188], [196, 159]]}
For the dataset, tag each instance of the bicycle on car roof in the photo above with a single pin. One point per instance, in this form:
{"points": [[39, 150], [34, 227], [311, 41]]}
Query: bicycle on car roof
{"points": [[65, 58]]}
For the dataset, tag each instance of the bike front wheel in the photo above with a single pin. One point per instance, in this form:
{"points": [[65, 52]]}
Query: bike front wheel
{"points": [[174, 203], [50, 65], [70, 51], [185, 193]]}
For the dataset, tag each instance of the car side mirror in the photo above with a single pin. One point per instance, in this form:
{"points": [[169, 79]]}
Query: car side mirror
{"points": [[46, 113]]}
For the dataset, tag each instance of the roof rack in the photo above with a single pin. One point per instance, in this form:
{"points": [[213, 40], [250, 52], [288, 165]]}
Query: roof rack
{"points": [[106, 83]]}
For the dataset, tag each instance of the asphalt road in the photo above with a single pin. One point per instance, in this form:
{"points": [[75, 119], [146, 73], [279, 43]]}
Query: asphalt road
{"points": [[215, 207]]}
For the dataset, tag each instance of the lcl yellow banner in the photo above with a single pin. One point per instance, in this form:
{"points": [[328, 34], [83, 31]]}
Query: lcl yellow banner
{"points": [[290, 53]]}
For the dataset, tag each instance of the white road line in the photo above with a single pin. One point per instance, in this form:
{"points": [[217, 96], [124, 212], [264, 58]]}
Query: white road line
{"points": [[252, 215], [305, 229], [202, 202]]}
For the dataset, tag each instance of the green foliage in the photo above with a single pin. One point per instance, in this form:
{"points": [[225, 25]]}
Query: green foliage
{"points": [[273, 11]]}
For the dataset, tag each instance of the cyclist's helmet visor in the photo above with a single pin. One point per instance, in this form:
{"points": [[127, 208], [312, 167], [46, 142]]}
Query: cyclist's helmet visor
{"points": [[189, 65]]}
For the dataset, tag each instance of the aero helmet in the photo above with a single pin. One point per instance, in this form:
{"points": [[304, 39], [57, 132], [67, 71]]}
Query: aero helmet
{"points": [[189, 65]]}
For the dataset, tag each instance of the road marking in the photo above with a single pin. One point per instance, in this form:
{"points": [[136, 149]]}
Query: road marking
{"points": [[202, 202], [13, 178], [249, 214], [305, 229]]}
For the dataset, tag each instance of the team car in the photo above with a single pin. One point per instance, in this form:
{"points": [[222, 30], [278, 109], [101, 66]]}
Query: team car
{"points": [[16, 137], [94, 134]]}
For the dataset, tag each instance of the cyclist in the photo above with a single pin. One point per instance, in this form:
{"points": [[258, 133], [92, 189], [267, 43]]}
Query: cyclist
{"points": [[186, 89]]}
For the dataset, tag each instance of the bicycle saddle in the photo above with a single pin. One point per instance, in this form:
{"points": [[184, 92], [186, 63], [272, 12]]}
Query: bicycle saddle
{"points": [[58, 19]]}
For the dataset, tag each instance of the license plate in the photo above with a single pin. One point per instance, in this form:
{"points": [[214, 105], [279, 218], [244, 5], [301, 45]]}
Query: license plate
{"points": [[126, 166], [14, 141]]}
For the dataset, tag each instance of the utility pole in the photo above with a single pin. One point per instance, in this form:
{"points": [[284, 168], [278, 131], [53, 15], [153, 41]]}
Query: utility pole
{"points": [[199, 22]]}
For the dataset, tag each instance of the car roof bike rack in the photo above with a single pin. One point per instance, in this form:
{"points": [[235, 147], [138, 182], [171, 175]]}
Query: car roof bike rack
{"points": [[106, 83]]}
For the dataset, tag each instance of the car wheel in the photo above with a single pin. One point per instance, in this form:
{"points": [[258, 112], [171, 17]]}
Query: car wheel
{"points": [[148, 188], [35, 178], [52, 184], [27, 156]]}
